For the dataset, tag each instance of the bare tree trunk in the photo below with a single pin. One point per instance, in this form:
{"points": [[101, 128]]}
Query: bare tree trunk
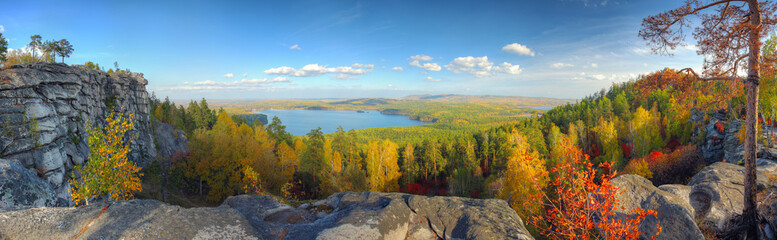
{"points": [[749, 213]]}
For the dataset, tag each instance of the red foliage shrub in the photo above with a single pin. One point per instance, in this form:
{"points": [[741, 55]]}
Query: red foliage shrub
{"points": [[676, 167], [654, 157], [672, 145], [626, 148], [720, 127], [417, 189], [594, 151], [442, 192]]}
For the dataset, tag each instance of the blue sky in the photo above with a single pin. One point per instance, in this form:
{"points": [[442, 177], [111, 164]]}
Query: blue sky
{"points": [[336, 49]]}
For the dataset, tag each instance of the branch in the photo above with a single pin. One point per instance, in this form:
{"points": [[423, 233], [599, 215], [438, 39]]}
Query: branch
{"points": [[690, 71], [697, 10]]}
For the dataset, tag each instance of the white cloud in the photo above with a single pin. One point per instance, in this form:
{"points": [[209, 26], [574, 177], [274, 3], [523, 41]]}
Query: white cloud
{"points": [[280, 71], [481, 66], [398, 69], [243, 84], [245, 74], [429, 66], [357, 65], [295, 47], [518, 49], [430, 79], [229, 75], [508, 68], [561, 65], [2, 29], [312, 70], [594, 65], [423, 58], [390, 85]]}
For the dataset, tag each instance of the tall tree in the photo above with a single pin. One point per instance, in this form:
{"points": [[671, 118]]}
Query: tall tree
{"points": [[35, 43], [64, 49], [3, 48], [409, 165], [730, 38], [278, 131], [50, 49], [382, 166]]}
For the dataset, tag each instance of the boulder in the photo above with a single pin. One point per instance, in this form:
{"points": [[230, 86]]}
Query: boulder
{"points": [[682, 191], [675, 215], [134, 219], [717, 193], [21, 187], [169, 139]]}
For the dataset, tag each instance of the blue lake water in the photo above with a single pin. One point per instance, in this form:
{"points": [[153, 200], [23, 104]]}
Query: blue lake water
{"points": [[546, 108], [300, 122]]}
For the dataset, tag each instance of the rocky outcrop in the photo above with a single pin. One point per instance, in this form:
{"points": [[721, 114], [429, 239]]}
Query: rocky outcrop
{"points": [[675, 215], [169, 140], [375, 215], [135, 219], [21, 187], [733, 150], [368, 215], [715, 135], [44, 109], [717, 193]]}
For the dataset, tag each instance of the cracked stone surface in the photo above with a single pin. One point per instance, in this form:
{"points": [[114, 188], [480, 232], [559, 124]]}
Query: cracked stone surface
{"points": [[367, 215], [376, 215], [717, 193]]}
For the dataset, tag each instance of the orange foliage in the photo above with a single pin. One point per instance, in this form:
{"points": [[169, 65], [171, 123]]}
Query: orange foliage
{"points": [[655, 156], [582, 199], [689, 91], [676, 167], [638, 167]]}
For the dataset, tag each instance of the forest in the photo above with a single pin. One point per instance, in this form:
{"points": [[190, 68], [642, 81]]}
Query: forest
{"points": [[642, 126]]}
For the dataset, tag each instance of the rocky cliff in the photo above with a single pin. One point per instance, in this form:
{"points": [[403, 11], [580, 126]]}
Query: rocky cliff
{"points": [[44, 109]]}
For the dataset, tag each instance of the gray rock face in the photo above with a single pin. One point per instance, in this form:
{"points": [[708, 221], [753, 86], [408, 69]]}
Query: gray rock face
{"points": [[375, 215], [675, 215], [714, 143], [368, 215], [44, 109], [21, 187], [733, 150], [135, 219], [717, 193], [169, 139]]}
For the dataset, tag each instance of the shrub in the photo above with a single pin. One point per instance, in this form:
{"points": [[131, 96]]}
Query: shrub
{"points": [[19, 56], [584, 207], [638, 167], [677, 167], [108, 171]]}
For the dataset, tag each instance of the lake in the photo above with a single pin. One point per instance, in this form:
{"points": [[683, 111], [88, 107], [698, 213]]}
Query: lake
{"points": [[545, 108], [300, 122]]}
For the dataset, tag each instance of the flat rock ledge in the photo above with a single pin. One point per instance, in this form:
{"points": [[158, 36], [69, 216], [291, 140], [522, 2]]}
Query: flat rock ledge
{"points": [[367, 215]]}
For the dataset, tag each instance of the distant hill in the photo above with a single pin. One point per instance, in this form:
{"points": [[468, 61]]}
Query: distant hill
{"points": [[516, 100]]}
